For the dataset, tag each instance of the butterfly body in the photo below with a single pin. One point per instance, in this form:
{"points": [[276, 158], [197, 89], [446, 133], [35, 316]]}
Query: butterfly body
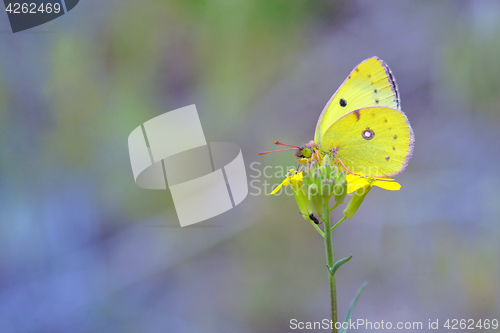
{"points": [[362, 126]]}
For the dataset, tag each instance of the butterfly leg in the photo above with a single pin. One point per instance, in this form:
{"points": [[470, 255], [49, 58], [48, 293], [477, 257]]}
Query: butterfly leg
{"points": [[340, 161]]}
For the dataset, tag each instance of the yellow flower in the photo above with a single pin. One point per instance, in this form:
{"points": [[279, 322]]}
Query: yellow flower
{"points": [[360, 186], [293, 178], [355, 182], [306, 188]]}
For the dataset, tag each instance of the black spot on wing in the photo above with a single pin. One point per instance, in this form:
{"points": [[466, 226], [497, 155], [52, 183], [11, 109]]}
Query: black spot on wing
{"points": [[393, 148], [343, 102], [375, 91], [376, 101], [387, 158]]}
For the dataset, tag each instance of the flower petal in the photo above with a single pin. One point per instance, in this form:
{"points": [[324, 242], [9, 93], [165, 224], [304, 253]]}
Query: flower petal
{"points": [[289, 180], [355, 184], [383, 178], [277, 188], [350, 177], [297, 177], [357, 181], [391, 186]]}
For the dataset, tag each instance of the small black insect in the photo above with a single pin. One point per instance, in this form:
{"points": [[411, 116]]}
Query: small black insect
{"points": [[314, 218]]}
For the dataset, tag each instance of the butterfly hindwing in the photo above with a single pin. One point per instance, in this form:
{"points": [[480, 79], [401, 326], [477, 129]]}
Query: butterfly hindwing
{"points": [[371, 83], [377, 141]]}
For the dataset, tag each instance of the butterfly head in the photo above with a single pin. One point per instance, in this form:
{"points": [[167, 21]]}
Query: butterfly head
{"points": [[308, 152], [303, 154]]}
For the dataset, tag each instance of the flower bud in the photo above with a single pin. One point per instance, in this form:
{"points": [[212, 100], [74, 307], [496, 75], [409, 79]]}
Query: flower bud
{"points": [[356, 201], [316, 199], [340, 191], [302, 201], [326, 166]]}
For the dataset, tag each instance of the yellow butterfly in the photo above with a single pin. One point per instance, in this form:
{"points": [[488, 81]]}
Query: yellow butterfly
{"points": [[362, 125]]}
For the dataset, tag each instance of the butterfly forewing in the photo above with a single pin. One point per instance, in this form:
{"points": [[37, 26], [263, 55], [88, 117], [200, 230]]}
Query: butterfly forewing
{"points": [[376, 141], [371, 83]]}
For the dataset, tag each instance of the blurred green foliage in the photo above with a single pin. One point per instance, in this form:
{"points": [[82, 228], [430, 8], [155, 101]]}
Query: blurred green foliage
{"points": [[471, 58]]}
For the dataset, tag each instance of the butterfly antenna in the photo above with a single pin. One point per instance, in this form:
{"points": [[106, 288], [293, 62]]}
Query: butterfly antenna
{"points": [[273, 151], [282, 144]]}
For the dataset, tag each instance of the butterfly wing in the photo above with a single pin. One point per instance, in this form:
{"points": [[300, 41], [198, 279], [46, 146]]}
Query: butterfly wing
{"points": [[377, 141], [371, 83]]}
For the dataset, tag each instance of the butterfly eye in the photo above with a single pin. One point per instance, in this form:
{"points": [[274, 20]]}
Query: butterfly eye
{"points": [[306, 152], [368, 134]]}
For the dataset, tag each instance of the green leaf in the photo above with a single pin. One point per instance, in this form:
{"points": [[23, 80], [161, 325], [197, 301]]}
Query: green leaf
{"points": [[338, 264], [353, 304]]}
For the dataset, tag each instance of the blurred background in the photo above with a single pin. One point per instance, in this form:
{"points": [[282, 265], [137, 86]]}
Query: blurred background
{"points": [[83, 249]]}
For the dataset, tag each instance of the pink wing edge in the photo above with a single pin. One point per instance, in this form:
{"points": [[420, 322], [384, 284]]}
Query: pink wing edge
{"points": [[410, 147]]}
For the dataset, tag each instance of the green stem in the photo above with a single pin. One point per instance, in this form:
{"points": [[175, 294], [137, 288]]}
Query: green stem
{"points": [[337, 224], [318, 228], [334, 206], [329, 263]]}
